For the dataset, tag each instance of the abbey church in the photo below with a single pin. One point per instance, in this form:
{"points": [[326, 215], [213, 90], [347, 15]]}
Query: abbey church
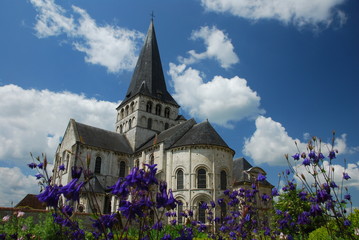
{"points": [[191, 157]]}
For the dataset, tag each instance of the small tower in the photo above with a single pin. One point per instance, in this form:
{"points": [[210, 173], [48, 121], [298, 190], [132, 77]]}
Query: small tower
{"points": [[148, 108]]}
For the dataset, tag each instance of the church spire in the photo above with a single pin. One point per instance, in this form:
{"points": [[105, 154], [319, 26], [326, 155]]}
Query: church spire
{"points": [[148, 78]]}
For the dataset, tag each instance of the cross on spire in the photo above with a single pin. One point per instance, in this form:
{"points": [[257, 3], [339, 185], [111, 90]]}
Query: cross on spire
{"points": [[152, 16]]}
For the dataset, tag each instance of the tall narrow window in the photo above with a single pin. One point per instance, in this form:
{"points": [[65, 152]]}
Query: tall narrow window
{"points": [[223, 210], [152, 159], [149, 107], [223, 180], [201, 178], [137, 163], [121, 129], [132, 107], [201, 213], [126, 110], [166, 126], [149, 123], [167, 112], [158, 109], [179, 212], [129, 124], [107, 205], [180, 179], [98, 165], [122, 172]]}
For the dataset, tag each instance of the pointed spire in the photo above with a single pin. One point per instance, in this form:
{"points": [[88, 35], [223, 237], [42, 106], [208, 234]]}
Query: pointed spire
{"points": [[148, 78]]}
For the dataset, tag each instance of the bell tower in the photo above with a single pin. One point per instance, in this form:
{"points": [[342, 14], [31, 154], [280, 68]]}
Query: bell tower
{"points": [[148, 108]]}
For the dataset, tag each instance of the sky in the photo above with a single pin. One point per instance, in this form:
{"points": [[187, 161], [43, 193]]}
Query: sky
{"points": [[265, 73]]}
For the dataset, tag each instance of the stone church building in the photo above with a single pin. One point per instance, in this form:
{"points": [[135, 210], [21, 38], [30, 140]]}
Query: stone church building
{"points": [[191, 157]]}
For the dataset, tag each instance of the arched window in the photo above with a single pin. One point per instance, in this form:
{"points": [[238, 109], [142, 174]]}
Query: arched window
{"points": [[121, 129], [149, 107], [130, 124], [127, 110], [122, 172], [180, 179], [122, 113], [223, 180], [201, 213], [132, 107], [158, 109], [137, 163], [201, 178], [98, 165], [152, 159], [149, 123], [166, 126], [179, 212], [167, 112]]}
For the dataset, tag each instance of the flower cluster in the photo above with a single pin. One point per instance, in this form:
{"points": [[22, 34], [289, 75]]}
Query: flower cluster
{"points": [[312, 198]]}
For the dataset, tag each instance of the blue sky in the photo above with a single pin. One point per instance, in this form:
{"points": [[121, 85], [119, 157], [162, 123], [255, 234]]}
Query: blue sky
{"points": [[264, 73]]}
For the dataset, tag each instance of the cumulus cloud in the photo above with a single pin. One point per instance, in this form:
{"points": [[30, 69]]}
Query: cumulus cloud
{"points": [[221, 100], [218, 47], [270, 142], [337, 175], [17, 186], [35, 120], [109, 46], [298, 12]]}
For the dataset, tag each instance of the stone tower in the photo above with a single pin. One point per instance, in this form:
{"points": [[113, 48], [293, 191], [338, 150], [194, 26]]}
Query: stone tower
{"points": [[148, 107]]}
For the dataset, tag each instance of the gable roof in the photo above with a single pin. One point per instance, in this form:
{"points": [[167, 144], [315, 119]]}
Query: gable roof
{"points": [[186, 134], [148, 78], [31, 201], [101, 138]]}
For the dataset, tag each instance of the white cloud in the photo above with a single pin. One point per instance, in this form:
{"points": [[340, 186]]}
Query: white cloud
{"points": [[218, 45], [221, 100], [109, 46], [270, 142], [33, 120], [17, 186], [336, 175], [298, 12]]}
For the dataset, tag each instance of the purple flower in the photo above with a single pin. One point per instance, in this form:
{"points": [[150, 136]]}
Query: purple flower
{"points": [[40, 165], [303, 195], [50, 195], [306, 162], [321, 156], [315, 210], [265, 197], [261, 177], [213, 204], [287, 171], [105, 220], [72, 190], [62, 167], [347, 197], [158, 226], [32, 165], [347, 222], [204, 205], [247, 218], [166, 237], [76, 172], [296, 156], [312, 155], [346, 176], [331, 155], [171, 202], [39, 175], [333, 184], [275, 192]]}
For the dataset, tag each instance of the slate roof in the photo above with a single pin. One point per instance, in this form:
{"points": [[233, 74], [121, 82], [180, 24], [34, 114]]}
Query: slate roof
{"points": [[240, 165], [31, 201], [201, 134], [101, 138], [148, 78]]}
